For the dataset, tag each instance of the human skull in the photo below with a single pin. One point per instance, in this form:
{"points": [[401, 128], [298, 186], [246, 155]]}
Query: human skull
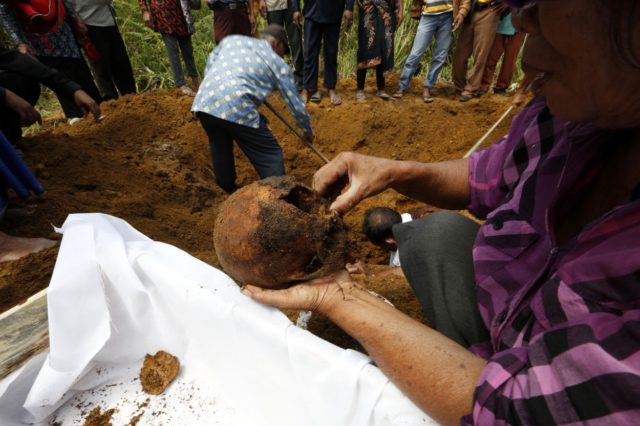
{"points": [[275, 232]]}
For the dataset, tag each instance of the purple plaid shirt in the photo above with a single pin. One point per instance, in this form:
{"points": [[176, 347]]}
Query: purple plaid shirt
{"points": [[564, 320]]}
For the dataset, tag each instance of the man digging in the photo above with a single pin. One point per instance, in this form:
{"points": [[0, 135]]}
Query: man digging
{"points": [[241, 73]]}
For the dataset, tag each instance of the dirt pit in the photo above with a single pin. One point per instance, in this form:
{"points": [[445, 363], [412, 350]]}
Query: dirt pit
{"points": [[148, 163]]}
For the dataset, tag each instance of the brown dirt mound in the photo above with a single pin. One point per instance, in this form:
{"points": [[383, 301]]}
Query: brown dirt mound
{"points": [[148, 162]]}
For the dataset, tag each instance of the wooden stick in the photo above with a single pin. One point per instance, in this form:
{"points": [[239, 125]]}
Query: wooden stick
{"points": [[486, 135], [296, 132]]}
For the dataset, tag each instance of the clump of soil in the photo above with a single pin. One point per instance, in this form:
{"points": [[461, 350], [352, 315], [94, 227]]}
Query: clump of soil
{"points": [[158, 371], [276, 231], [97, 418]]}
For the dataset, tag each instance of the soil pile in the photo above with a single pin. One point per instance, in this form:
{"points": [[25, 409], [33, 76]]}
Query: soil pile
{"points": [[148, 162]]}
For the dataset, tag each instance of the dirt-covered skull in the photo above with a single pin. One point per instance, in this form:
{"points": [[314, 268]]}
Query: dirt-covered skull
{"points": [[276, 232]]}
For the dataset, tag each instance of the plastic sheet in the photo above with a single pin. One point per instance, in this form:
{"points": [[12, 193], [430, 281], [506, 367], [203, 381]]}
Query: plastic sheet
{"points": [[116, 295]]}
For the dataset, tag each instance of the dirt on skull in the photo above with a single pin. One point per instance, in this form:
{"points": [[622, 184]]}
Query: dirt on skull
{"points": [[276, 232]]}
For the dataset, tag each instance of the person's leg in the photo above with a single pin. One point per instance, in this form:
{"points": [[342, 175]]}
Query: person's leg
{"points": [[221, 146], [14, 248], [240, 23], [77, 70], [121, 64], [187, 56], [27, 89], [380, 78], [331, 37], [261, 148], [312, 40], [511, 51], [222, 24], [494, 56], [171, 44], [361, 75], [276, 17], [294, 34], [436, 258], [461, 54], [440, 49], [102, 70], [484, 33], [421, 41]]}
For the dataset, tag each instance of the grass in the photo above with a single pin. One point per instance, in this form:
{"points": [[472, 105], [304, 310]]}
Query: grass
{"points": [[152, 70]]}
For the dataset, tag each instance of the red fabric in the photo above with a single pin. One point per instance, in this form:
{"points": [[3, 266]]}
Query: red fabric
{"points": [[40, 16]]}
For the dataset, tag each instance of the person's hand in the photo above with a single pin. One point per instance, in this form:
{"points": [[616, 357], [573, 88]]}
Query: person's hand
{"points": [[319, 295], [252, 22], [347, 19], [263, 8], [357, 268], [519, 98], [457, 22], [501, 9], [399, 17], [27, 113], [25, 50], [297, 18], [87, 104], [80, 27], [365, 175], [146, 18]]}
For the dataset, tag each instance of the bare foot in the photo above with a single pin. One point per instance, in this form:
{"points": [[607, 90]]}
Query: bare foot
{"points": [[14, 248], [334, 97], [186, 90], [304, 95]]}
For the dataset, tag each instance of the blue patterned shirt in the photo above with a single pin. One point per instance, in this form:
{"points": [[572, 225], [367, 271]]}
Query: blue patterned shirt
{"points": [[241, 73]]}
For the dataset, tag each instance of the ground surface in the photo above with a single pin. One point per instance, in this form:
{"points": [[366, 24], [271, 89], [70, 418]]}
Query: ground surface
{"points": [[148, 163]]}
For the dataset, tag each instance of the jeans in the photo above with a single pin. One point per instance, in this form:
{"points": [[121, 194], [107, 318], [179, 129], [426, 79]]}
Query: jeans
{"points": [[173, 43], [438, 26]]}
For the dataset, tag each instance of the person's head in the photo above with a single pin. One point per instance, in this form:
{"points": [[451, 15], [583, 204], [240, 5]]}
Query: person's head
{"points": [[277, 38], [587, 53], [377, 226]]}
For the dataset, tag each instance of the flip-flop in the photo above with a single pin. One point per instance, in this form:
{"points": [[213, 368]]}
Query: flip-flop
{"points": [[336, 99], [427, 99], [316, 97], [383, 95]]}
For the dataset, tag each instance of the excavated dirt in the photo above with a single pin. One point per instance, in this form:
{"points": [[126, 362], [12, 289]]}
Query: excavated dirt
{"points": [[158, 371], [148, 162], [98, 418]]}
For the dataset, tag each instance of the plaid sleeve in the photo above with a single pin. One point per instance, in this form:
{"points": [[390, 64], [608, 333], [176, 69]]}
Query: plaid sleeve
{"points": [[494, 171], [584, 371]]}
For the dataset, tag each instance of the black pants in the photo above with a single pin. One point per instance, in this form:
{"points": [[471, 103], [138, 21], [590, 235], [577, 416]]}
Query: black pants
{"points": [[294, 34], [435, 256], [77, 70], [258, 145], [361, 76], [315, 34], [27, 89], [114, 68]]}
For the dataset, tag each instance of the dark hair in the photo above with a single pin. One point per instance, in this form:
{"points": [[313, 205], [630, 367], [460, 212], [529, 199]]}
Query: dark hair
{"points": [[378, 222], [623, 17]]}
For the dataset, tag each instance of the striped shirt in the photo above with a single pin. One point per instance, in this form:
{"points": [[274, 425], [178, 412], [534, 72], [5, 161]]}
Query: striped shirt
{"points": [[436, 7], [564, 320], [241, 73]]}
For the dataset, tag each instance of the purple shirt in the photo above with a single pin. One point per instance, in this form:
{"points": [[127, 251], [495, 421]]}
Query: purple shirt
{"points": [[564, 320]]}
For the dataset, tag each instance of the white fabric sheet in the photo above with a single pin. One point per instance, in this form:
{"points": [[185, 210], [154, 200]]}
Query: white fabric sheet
{"points": [[116, 295]]}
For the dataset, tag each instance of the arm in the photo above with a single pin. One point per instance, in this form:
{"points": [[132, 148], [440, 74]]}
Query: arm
{"points": [[289, 94], [436, 373], [26, 112], [463, 11], [442, 184]]}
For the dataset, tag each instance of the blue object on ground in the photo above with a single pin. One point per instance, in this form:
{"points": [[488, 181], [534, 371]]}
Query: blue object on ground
{"points": [[14, 173]]}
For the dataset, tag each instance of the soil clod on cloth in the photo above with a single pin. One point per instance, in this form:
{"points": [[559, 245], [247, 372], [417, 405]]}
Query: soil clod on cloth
{"points": [[98, 418], [275, 232], [158, 371]]}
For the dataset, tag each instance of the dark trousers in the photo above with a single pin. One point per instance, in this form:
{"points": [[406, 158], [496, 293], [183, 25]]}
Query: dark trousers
{"points": [[232, 21], [114, 68], [435, 256], [27, 89], [510, 47], [258, 145], [174, 45], [315, 34], [77, 70], [361, 76], [294, 34]]}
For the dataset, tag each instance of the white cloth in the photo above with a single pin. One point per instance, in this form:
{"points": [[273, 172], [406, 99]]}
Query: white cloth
{"points": [[116, 295], [394, 256], [95, 12]]}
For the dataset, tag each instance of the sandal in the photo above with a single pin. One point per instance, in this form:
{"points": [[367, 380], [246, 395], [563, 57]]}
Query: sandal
{"points": [[427, 99], [316, 97], [360, 96], [336, 99], [186, 90], [398, 94], [382, 94]]}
